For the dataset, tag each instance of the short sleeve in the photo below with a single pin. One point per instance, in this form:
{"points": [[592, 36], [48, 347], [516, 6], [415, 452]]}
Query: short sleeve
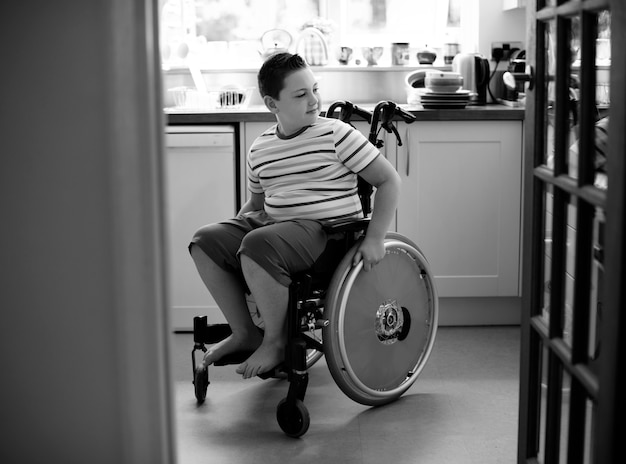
{"points": [[353, 148]]}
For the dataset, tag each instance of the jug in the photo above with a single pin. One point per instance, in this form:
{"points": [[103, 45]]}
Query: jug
{"points": [[474, 68], [312, 46]]}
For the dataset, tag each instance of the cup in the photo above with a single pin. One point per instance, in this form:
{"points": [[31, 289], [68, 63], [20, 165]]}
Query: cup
{"points": [[400, 53], [344, 55]]}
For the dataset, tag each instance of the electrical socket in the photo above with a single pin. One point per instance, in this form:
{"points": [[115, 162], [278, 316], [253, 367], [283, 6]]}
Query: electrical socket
{"points": [[504, 50]]}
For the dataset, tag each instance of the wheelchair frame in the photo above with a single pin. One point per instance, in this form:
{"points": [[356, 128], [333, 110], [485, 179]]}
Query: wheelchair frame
{"points": [[309, 310]]}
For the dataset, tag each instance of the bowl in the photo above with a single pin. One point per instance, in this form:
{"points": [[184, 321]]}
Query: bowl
{"points": [[415, 79], [443, 81]]}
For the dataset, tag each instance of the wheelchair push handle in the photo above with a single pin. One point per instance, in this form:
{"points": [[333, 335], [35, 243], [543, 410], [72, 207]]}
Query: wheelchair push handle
{"points": [[347, 109], [385, 112]]}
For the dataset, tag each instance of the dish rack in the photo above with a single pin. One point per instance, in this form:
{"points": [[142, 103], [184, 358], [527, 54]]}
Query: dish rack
{"points": [[211, 99]]}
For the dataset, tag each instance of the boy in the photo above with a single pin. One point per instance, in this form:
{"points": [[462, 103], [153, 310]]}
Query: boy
{"points": [[301, 172]]}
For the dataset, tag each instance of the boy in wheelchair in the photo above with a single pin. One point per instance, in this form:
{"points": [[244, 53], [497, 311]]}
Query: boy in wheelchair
{"points": [[302, 172]]}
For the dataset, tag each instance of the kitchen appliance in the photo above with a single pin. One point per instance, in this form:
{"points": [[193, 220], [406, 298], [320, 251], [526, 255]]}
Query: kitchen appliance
{"points": [[202, 186], [275, 41], [474, 68], [517, 64]]}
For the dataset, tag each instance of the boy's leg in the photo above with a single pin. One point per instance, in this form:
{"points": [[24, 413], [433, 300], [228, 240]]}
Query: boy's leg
{"points": [[272, 298], [269, 256], [229, 294]]}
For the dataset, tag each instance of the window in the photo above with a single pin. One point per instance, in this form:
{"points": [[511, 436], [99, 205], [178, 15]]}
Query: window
{"points": [[226, 33]]}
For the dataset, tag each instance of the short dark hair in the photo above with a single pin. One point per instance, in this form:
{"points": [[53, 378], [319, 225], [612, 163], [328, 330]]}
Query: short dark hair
{"points": [[275, 69]]}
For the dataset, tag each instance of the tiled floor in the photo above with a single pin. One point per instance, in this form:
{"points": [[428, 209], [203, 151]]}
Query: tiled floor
{"points": [[462, 409]]}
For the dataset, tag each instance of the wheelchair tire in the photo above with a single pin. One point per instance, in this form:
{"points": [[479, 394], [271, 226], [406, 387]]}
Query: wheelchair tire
{"points": [[293, 419], [382, 323], [201, 383]]}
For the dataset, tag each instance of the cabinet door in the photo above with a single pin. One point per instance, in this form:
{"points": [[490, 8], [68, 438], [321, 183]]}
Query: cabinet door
{"points": [[200, 189], [513, 4], [460, 203], [249, 133]]}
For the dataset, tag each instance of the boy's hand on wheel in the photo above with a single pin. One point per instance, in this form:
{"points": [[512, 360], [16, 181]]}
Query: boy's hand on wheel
{"points": [[371, 252]]}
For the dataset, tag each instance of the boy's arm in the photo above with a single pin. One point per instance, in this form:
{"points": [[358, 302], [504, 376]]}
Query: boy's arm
{"points": [[255, 203], [382, 175]]}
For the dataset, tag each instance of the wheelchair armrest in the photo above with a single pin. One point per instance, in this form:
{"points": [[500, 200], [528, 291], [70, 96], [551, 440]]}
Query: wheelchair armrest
{"points": [[346, 225]]}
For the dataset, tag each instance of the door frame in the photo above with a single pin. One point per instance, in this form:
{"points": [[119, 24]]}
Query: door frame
{"points": [[605, 386]]}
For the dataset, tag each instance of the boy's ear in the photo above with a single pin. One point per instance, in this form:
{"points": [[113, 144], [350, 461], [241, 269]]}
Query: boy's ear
{"points": [[270, 103]]}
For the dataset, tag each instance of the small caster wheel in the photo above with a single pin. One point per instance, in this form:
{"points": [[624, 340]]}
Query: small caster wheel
{"points": [[293, 419], [200, 383]]}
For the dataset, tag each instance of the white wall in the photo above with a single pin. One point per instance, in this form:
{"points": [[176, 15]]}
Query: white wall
{"points": [[82, 350], [496, 25]]}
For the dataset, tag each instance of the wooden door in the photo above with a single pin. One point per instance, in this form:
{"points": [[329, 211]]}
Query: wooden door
{"points": [[573, 355]]}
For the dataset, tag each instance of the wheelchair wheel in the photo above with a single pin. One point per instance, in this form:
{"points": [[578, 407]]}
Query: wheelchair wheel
{"points": [[293, 419], [313, 355], [382, 323], [200, 383]]}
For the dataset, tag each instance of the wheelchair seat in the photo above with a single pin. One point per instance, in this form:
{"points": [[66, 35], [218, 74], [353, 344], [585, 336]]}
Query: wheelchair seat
{"points": [[375, 328]]}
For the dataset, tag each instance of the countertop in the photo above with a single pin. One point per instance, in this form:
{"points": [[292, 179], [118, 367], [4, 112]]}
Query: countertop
{"points": [[258, 113]]}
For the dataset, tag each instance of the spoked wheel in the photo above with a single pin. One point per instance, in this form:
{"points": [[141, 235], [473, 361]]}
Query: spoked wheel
{"points": [[382, 323], [293, 418], [313, 355], [200, 383]]}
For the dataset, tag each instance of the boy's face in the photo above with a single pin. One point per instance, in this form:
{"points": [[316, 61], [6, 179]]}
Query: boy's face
{"points": [[299, 102]]}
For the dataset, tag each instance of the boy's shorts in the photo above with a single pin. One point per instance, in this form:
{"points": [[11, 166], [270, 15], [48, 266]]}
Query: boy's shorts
{"points": [[280, 248]]}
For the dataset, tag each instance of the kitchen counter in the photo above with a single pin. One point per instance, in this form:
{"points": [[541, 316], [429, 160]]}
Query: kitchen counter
{"points": [[258, 113]]}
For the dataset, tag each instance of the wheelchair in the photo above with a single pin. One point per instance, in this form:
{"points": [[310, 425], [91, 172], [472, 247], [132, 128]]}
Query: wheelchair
{"points": [[376, 328]]}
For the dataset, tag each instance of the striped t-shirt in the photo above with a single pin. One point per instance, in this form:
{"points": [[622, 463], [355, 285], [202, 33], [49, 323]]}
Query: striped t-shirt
{"points": [[311, 174]]}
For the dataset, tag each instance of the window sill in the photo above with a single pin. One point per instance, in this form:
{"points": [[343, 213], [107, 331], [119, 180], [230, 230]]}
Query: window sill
{"points": [[326, 68]]}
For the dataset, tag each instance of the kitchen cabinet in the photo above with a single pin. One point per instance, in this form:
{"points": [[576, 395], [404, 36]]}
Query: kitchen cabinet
{"points": [[461, 203], [249, 133], [200, 189], [513, 4]]}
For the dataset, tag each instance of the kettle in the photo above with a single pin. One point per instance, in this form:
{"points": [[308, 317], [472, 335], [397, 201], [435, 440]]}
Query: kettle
{"points": [[275, 41], [474, 68]]}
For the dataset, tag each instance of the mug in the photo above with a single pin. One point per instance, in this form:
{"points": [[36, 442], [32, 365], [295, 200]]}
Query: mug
{"points": [[344, 55]]}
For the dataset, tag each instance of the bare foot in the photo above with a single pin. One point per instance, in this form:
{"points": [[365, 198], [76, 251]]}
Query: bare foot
{"points": [[268, 356], [232, 344]]}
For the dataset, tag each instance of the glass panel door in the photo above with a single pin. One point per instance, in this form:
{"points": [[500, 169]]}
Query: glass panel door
{"points": [[566, 334]]}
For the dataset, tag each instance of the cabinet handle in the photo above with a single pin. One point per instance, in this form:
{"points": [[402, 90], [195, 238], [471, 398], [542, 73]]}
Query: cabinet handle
{"points": [[407, 142]]}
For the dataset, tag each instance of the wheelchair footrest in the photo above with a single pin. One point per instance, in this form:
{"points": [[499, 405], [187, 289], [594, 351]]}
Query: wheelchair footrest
{"points": [[233, 358]]}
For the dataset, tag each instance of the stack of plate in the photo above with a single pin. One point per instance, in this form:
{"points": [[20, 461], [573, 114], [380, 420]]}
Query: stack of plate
{"points": [[444, 100]]}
